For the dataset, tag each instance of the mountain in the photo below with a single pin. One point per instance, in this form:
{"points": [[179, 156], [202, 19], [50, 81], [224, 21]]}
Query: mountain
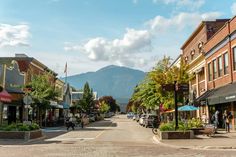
{"points": [[116, 81]]}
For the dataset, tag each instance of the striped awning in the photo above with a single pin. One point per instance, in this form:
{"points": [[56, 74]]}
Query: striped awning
{"points": [[5, 96]]}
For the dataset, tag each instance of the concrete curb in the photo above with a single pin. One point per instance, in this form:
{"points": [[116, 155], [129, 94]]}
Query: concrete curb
{"points": [[231, 148]]}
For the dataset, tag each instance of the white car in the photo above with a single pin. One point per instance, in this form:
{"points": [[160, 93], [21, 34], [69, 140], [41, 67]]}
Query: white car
{"points": [[142, 119]]}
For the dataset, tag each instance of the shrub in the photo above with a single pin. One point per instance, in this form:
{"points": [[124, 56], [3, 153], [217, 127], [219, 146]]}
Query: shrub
{"points": [[23, 127], [20, 127], [195, 123], [11, 127], [167, 126], [34, 126], [183, 126]]}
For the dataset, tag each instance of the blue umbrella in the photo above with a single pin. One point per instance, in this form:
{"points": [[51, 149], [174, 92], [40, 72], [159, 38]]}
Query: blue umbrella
{"points": [[188, 108]]}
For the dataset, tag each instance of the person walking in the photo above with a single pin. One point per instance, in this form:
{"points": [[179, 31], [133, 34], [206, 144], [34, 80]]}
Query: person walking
{"points": [[71, 123]]}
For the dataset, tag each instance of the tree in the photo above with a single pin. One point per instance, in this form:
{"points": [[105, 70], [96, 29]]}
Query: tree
{"points": [[87, 101], [149, 94], [42, 91], [110, 101], [104, 107]]}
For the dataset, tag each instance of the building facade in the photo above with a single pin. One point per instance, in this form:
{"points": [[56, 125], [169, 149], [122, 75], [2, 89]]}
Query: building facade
{"points": [[193, 54], [220, 56]]}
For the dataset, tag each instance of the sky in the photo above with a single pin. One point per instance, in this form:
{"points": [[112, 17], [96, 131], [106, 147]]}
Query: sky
{"points": [[91, 34]]}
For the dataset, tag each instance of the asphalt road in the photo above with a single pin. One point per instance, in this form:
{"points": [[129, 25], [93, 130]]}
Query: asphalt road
{"points": [[114, 137]]}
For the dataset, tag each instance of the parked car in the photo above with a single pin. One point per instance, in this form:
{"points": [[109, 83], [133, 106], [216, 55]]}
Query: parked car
{"points": [[130, 115], [141, 119], [150, 118], [135, 116]]}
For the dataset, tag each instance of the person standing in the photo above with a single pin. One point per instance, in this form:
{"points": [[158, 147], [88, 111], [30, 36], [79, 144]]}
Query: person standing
{"points": [[228, 121], [216, 118], [225, 114]]}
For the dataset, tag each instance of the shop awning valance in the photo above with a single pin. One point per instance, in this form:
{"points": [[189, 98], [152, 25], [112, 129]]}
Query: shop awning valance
{"points": [[5, 96], [223, 94], [203, 98], [55, 104]]}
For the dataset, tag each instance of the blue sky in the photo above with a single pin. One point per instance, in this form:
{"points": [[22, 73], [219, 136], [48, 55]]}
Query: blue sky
{"points": [[90, 34]]}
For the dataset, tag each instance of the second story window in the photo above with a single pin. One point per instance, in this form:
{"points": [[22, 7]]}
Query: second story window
{"points": [[209, 72], [214, 69], [192, 54], [234, 53], [186, 59], [220, 66], [226, 63]]}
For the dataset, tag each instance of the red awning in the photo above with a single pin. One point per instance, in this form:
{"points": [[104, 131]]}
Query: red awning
{"points": [[5, 96]]}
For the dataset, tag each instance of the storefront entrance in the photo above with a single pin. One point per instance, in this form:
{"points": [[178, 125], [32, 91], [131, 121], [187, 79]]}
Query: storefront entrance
{"points": [[221, 108]]}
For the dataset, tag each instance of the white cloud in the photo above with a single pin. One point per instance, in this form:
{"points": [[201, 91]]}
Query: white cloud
{"points": [[14, 35], [120, 51], [187, 4], [180, 21], [233, 8], [135, 48]]}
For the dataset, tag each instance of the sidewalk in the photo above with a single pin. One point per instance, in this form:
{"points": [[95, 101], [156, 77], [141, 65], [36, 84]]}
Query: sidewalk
{"points": [[221, 140]]}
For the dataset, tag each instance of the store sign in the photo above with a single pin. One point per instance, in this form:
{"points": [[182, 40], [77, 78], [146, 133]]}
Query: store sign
{"points": [[230, 97]]}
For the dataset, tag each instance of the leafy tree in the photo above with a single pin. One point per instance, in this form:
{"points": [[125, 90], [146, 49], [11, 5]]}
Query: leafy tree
{"points": [[104, 107], [42, 91], [149, 92], [110, 101], [87, 101]]}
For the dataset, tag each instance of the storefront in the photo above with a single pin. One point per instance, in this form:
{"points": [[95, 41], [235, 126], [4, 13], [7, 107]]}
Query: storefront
{"points": [[221, 99]]}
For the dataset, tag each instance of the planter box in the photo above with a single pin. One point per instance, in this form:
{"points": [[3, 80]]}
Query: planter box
{"points": [[197, 131], [26, 135], [163, 135]]}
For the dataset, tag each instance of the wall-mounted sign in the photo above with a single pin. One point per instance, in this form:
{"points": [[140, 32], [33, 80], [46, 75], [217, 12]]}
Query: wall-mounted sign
{"points": [[230, 97]]}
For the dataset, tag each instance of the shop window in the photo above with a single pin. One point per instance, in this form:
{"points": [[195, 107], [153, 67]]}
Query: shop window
{"points": [[214, 69], [226, 63], [209, 72], [234, 55], [220, 66]]}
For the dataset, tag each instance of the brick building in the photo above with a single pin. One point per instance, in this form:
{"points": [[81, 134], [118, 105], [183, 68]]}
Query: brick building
{"points": [[220, 63], [193, 54]]}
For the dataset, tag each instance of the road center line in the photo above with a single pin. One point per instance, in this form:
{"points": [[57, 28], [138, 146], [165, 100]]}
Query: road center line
{"points": [[103, 130]]}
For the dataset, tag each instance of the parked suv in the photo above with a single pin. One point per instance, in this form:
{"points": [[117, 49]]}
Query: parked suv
{"points": [[150, 118]]}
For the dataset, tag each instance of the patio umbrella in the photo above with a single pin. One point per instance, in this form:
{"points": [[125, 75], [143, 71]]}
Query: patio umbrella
{"points": [[5, 96], [188, 108]]}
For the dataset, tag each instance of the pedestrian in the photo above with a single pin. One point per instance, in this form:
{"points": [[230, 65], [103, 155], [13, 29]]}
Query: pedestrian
{"points": [[82, 121], [70, 123], [228, 121], [216, 115], [224, 119]]}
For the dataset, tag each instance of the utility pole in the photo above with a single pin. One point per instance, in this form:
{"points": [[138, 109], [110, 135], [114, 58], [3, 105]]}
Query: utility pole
{"points": [[176, 106]]}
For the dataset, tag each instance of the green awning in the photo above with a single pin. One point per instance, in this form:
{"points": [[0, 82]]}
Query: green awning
{"points": [[223, 94]]}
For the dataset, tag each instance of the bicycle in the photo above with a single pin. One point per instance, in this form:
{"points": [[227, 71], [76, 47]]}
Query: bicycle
{"points": [[155, 126]]}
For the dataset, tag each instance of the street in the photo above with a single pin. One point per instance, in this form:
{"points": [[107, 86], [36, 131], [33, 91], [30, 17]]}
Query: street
{"points": [[113, 137]]}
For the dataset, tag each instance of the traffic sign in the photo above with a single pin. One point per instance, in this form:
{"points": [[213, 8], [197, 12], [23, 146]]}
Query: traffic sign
{"points": [[27, 100], [183, 87], [167, 87]]}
